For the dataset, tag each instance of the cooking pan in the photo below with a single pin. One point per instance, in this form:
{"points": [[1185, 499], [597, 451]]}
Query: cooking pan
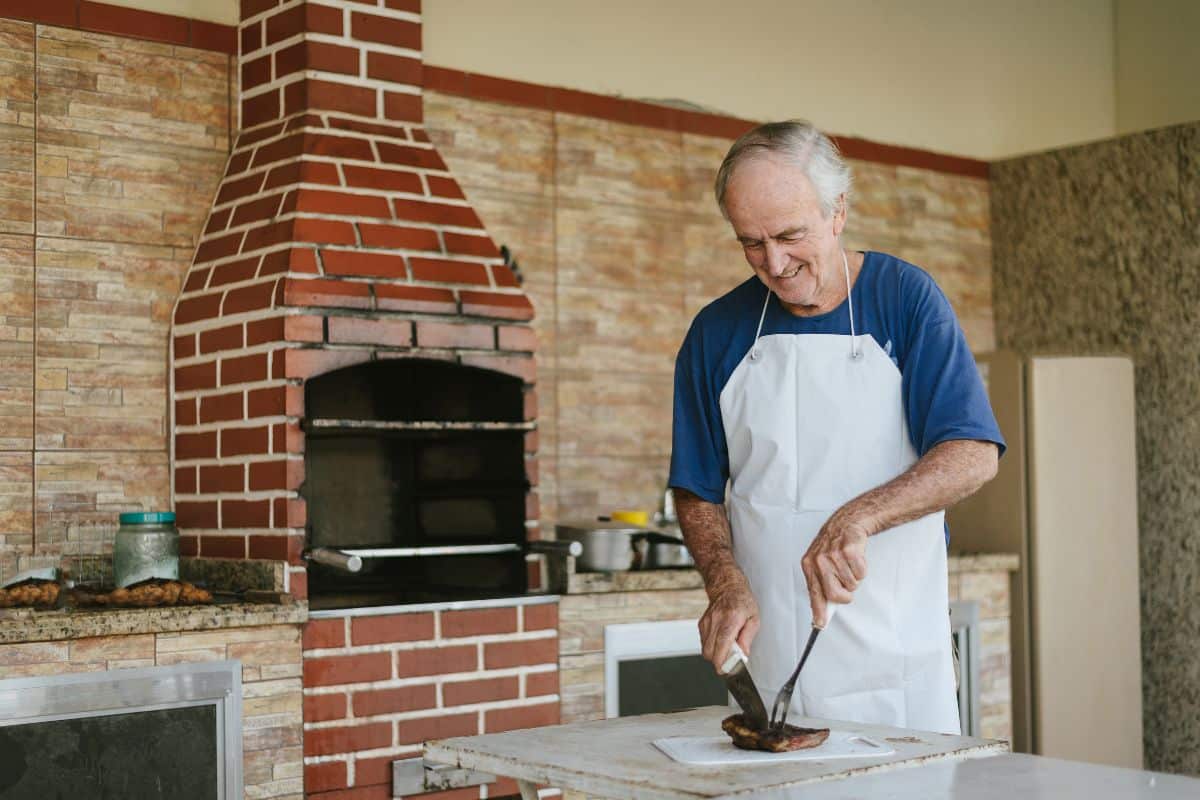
{"points": [[661, 551]]}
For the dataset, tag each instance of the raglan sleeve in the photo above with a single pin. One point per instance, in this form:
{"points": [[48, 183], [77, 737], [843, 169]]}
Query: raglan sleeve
{"points": [[699, 459], [945, 398]]}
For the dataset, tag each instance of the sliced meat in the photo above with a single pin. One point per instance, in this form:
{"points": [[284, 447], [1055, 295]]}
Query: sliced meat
{"points": [[772, 741]]}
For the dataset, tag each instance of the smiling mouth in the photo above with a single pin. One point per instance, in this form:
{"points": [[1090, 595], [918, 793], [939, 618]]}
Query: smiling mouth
{"points": [[792, 272]]}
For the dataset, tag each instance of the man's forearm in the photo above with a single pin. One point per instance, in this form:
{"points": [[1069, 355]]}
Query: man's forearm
{"points": [[948, 473], [705, 529]]}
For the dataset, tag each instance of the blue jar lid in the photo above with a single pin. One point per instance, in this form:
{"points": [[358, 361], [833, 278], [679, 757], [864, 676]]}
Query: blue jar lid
{"points": [[147, 517]]}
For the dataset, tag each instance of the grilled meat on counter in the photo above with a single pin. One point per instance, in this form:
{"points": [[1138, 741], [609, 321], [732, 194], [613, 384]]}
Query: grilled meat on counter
{"points": [[789, 738]]}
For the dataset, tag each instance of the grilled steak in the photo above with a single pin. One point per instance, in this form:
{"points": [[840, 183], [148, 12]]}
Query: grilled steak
{"points": [[772, 741]]}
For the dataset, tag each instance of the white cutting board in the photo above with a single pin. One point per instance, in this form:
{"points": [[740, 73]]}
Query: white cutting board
{"points": [[711, 750]]}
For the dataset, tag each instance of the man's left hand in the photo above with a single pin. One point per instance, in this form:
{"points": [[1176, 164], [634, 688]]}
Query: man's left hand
{"points": [[836, 562]]}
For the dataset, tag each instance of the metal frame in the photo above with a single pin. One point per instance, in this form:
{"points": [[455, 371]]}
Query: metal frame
{"points": [[964, 627], [95, 694], [658, 639]]}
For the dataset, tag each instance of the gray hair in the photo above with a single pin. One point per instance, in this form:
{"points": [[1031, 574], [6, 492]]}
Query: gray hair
{"points": [[801, 144]]}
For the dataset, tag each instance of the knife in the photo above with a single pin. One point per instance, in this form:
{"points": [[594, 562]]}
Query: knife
{"points": [[736, 674]]}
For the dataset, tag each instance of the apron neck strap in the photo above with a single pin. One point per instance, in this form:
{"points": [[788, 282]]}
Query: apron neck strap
{"points": [[855, 353]]}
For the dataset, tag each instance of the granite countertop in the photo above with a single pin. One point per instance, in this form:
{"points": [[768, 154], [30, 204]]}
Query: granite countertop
{"points": [[29, 625], [677, 579]]}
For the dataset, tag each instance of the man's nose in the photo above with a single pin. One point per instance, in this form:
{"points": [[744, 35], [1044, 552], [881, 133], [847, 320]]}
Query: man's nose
{"points": [[776, 259]]}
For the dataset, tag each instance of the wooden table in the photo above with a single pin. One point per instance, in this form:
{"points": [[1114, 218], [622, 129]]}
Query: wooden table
{"points": [[616, 758]]}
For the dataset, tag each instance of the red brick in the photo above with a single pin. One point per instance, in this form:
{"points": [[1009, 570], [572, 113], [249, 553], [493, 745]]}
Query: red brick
{"points": [[521, 367], [385, 30], [391, 701], [245, 140], [196, 515], [507, 719], [189, 546], [212, 546], [280, 474], [503, 276], [398, 238], [446, 334], [243, 441], [403, 106], [391, 131], [306, 18], [303, 328], [244, 369], [331, 96], [445, 187], [237, 189], [252, 38], [397, 69], [533, 506], [495, 304], [348, 739], [324, 633], [436, 661], [390, 179], [317, 201], [285, 547], [464, 693], [391, 628], [500, 655], [267, 235], [339, 670], [197, 376], [326, 775], [195, 309], [135, 23], [184, 346], [52, 12], [415, 7], [190, 446], [266, 402], [377, 770], [261, 331], [323, 231], [343, 294], [260, 108], [216, 478], [235, 271], [471, 245], [425, 299], [444, 271], [256, 72], [185, 480], [222, 407], [385, 332], [302, 171], [540, 683], [283, 149], [249, 298], [424, 729], [360, 263], [228, 338], [245, 513], [186, 412], [324, 144], [515, 337], [317, 56], [479, 622], [410, 156], [291, 512], [256, 210], [217, 221], [308, 363], [438, 213], [213, 36], [197, 280], [294, 259]]}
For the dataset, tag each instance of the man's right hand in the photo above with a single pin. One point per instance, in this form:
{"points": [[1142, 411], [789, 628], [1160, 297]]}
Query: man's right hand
{"points": [[732, 615]]}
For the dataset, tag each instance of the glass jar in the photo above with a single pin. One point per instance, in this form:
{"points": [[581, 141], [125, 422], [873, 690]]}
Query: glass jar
{"points": [[146, 546]]}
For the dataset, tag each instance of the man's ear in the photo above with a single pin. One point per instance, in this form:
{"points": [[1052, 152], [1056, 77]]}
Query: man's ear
{"points": [[839, 215]]}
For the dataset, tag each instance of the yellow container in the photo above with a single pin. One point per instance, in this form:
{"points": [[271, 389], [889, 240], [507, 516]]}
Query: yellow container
{"points": [[632, 517]]}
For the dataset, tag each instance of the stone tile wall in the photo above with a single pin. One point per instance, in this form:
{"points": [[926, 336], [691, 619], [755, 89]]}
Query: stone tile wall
{"points": [[130, 140], [1098, 252], [272, 702], [619, 244]]}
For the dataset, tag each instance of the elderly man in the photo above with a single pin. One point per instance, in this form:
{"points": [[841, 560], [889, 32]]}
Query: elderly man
{"points": [[835, 393]]}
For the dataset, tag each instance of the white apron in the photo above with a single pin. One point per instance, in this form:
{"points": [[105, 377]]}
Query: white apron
{"points": [[811, 422]]}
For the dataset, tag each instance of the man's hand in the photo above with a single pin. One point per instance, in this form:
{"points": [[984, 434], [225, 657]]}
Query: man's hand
{"points": [[835, 563], [732, 614]]}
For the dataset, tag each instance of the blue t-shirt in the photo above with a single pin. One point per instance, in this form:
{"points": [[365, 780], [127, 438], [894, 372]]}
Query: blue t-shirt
{"points": [[895, 302]]}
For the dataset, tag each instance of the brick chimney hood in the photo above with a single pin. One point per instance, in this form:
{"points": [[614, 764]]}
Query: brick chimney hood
{"points": [[337, 236]]}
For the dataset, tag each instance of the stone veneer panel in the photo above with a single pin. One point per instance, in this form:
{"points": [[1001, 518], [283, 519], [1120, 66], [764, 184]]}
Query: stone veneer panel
{"points": [[272, 701], [16, 126], [16, 343], [1098, 251]]}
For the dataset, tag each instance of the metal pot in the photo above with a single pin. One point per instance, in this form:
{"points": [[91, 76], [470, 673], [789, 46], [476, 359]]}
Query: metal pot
{"points": [[660, 551], [607, 545]]}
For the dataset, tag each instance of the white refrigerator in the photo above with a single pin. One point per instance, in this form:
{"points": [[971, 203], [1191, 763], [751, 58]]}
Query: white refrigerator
{"points": [[1065, 500]]}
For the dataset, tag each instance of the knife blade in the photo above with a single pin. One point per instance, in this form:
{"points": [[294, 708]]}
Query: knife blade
{"points": [[736, 674]]}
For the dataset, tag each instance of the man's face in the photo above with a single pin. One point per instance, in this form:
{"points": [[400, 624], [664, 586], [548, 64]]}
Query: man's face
{"points": [[791, 245]]}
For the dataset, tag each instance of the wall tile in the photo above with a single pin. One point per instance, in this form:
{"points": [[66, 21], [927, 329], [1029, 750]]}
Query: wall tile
{"points": [[92, 486], [702, 156], [619, 246], [103, 316], [611, 414], [16, 126], [608, 162], [592, 485], [16, 505], [16, 342], [132, 137], [619, 330]]}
